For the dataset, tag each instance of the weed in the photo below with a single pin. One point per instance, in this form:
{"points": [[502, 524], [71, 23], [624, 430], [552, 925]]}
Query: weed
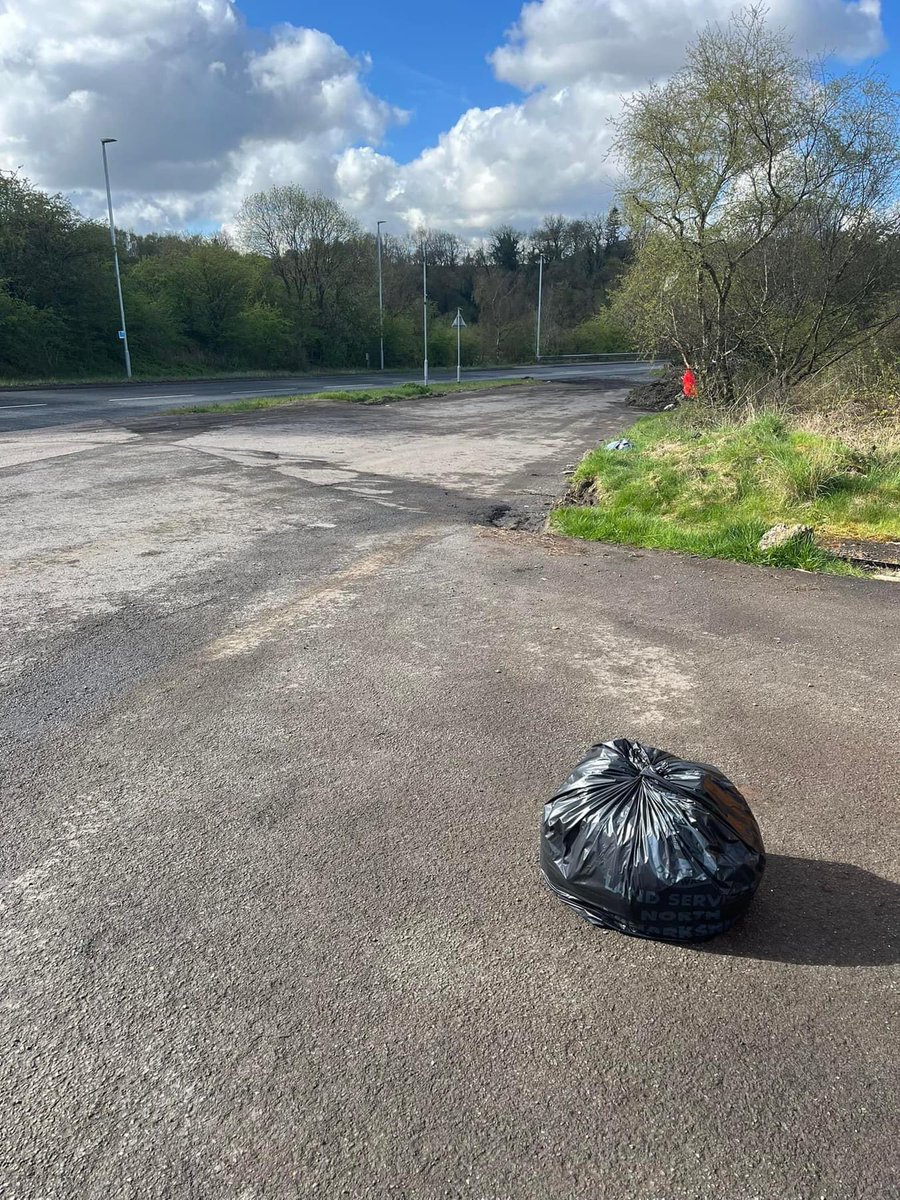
{"points": [[714, 489], [403, 391]]}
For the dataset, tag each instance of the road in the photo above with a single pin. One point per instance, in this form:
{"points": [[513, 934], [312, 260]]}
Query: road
{"points": [[282, 696], [31, 408]]}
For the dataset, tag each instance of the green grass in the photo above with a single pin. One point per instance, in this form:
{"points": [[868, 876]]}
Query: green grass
{"points": [[714, 492], [404, 391]]}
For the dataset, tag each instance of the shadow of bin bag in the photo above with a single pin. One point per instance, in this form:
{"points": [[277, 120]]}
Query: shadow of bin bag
{"points": [[651, 845]]}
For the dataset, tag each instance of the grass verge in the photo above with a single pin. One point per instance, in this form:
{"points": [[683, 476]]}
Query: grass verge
{"points": [[404, 391], [715, 491]]}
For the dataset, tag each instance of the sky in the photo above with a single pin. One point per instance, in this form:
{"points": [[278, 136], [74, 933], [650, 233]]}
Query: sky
{"points": [[461, 114]]}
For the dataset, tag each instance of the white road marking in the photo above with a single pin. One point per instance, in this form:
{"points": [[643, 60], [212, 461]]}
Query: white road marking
{"points": [[132, 400], [5, 406], [263, 392], [134, 403]]}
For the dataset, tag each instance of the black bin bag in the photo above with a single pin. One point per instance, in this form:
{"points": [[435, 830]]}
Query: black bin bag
{"points": [[651, 845]]}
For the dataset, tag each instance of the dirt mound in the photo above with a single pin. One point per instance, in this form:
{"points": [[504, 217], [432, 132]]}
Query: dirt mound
{"points": [[582, 494], [656, 394]]}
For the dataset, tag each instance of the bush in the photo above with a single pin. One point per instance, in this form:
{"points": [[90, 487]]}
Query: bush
{"points": [[599, 334], [260, 336], [32, 340]]}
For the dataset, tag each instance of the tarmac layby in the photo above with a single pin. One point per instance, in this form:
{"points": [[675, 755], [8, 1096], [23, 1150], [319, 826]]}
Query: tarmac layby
{"points": [[282, 697]]}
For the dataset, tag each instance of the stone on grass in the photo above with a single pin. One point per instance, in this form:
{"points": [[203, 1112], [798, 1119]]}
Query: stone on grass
{"points": [[783, 535]]}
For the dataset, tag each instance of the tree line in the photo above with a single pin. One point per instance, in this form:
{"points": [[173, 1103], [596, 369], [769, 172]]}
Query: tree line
{"points": [[293, 286], [763, 195], [758, 243]]}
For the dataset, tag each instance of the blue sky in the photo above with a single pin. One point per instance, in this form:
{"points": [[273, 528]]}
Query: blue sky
{"points": [[432, 58], [510, 107], [889, 62], [428, 56]]}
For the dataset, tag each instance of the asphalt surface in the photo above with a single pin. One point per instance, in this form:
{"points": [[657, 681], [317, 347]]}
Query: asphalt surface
{"points": [[33, 408], [280, 706]]}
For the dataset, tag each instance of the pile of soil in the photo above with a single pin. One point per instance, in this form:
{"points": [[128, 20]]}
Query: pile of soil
{"points": [[656, 394], [582, 494]]}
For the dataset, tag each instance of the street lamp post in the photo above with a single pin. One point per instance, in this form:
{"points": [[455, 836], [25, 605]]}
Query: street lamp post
{"points": [[540, 294], [380, 293], [123, 332], [425, 308]]}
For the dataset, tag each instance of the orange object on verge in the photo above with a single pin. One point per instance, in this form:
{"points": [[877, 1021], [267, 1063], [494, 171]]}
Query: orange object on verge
{"points": [[689, 383]]}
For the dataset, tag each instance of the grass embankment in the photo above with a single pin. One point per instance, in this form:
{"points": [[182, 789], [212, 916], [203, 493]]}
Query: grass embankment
{"points": [[403, 391], [714, 492]]}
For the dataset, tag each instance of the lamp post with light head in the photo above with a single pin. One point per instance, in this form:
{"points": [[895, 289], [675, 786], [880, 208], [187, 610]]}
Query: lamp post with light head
{"points": [[123, 332]]}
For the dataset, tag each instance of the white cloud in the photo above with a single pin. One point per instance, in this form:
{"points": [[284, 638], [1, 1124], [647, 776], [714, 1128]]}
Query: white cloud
{"points": [[628, 42], [577, 59], [510, 163], [197, 101], [206, 109]]}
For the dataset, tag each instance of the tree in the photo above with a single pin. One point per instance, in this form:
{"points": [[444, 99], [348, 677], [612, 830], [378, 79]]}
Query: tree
{"points": [[259, 333], [760, 190], [297, 287], [37, 234], [314, 247], [499, 297], [553, 238], [612, 229], [57, 265], [32, 340], [505, 247]]}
